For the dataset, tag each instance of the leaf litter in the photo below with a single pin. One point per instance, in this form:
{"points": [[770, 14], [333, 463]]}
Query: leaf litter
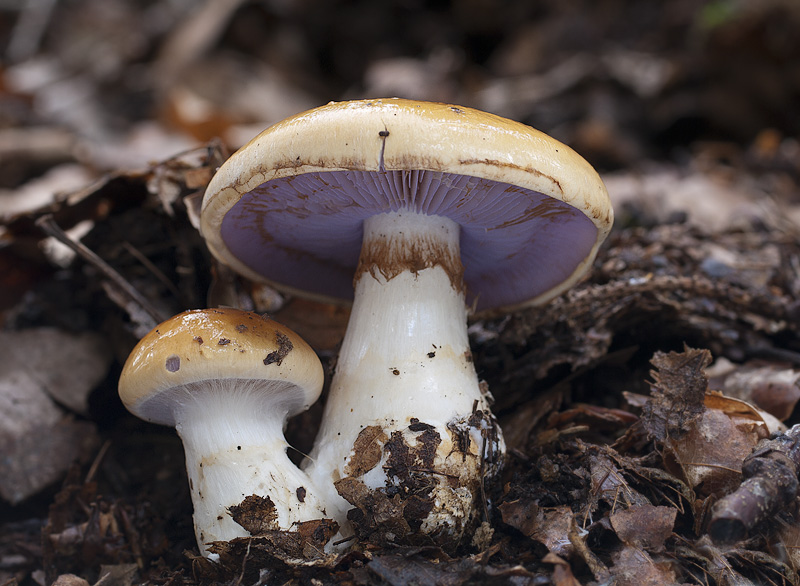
{"points": [[626, 463], [591, 491]]}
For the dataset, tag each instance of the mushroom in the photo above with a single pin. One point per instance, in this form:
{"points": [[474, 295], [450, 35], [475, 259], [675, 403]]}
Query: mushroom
{"points": [[227, 380], [416, 211]]}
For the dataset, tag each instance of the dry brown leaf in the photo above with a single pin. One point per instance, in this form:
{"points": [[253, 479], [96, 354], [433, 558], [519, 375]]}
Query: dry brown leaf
{"points": [[739, 410], [562, 573], [709, 456], [553, 529], [547, 525], [644, 526], [304, 544], [520, 422], [789, 542], [706, 435], [711, 452], [770, 486], [609, 484], [774, 388], [521, 514], [634, 567], [376, 516]]}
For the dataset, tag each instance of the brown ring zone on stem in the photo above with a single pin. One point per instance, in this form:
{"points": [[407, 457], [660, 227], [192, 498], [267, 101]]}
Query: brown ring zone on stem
{"points": [[390, 256]]}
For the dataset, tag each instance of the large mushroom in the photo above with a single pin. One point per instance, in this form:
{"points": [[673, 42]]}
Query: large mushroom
{"points": [[424, 209], [227, 380]]}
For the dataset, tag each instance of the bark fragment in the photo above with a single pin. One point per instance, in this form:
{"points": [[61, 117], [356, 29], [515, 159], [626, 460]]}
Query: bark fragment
{"points": [[677, 392], [771, 485]]}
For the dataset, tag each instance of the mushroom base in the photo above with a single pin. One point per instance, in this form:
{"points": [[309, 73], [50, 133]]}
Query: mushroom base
{"points": [[422, 484]]}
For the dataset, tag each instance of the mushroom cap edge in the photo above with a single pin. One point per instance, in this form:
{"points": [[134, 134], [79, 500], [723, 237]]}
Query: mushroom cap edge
{"points": [[221, 343]]}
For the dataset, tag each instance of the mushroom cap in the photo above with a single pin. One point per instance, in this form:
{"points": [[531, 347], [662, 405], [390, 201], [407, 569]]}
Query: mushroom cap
{"points": [[288, 207], [200, 346]]}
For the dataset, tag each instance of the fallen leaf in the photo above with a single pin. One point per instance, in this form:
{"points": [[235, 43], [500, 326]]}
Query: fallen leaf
{"points": [[770, 486], [547, 525], [609, 484], [789, 543], [562, 573], [710, 453], [644, 526], [634, 567], [376, 517], [553, 529], [521, 514], [302, 545], [773, 388]]}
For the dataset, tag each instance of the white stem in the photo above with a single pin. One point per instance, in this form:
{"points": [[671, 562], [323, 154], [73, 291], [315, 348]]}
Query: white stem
{"points": [[234, 445], [406, 351]]}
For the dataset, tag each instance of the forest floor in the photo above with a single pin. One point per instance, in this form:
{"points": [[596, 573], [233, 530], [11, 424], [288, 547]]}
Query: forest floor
{"points": [[631, 405]]}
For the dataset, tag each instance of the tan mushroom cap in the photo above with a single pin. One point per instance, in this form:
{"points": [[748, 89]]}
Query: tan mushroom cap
{"points": [[525, 182], [203, 345]]}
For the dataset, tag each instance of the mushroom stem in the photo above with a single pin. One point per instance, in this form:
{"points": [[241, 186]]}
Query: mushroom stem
{"points": [[406, 414], [232, 432]]}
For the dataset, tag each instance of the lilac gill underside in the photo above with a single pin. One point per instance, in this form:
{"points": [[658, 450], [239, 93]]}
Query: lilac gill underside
{"points": [[305, 231]]}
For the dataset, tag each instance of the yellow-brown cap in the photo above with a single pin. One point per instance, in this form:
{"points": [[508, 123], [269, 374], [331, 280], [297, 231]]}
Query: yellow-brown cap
{"points": [[212, 344], [288, 207]]}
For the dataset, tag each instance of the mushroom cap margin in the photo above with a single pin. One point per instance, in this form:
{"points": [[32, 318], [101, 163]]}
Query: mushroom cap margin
{"points": [[224, 343]]}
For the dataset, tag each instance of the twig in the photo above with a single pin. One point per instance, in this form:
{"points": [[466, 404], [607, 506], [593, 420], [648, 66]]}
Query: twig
{"points": [[97, 460], [244, 563], [132, 535], [134, 252], [595, 565], [345, 540], [771, 485], [47, 224]]}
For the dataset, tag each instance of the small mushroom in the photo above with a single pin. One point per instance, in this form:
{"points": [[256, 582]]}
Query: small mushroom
{"points": [[227, 380], [427, 209]]}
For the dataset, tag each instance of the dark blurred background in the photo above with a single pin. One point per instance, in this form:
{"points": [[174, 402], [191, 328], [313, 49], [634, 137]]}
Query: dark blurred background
{"points": [[113, 83]]}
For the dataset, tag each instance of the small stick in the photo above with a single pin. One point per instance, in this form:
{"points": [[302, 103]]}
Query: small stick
{"points": [[96, 464], [770, 485], [132, 535], [134, 252], [48, 225]]}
